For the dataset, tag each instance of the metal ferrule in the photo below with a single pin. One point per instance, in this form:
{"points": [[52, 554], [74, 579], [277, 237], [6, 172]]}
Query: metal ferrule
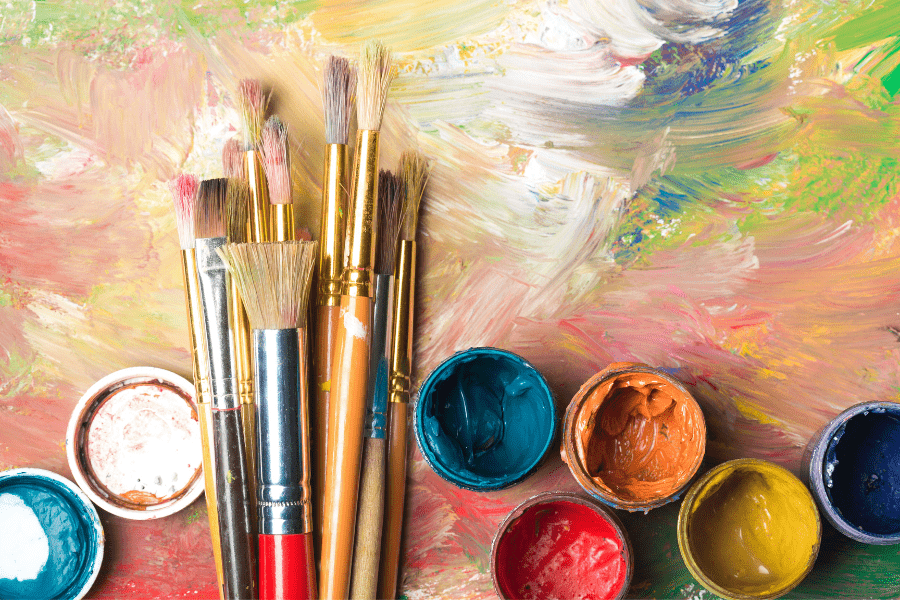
{"points": [[356, 279], [259, 198], [404, 299], [331, 235], [282, 222], [283, 468], [214, 291], [379, 357], [199, 360]]}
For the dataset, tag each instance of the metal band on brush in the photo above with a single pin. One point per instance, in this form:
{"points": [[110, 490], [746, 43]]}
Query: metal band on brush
{"points": [[404, 295], [331, 238], [379, 358], [360, 244]]}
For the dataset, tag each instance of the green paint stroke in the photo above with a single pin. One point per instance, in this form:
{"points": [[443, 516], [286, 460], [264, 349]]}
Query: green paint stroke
{"points": [[874, 25]]}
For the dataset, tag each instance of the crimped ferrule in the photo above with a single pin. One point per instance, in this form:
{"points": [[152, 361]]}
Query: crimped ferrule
{"points": [[404, 299], [331, 236], [356, 279], [282, 224], [259, 198]]}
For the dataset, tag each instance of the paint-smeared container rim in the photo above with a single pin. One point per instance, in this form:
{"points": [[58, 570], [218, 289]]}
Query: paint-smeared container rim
{"points": [[707, 483], [570, 453], [814, 465], [426, 434], [553, 497], [138, 505], [94, 537]]}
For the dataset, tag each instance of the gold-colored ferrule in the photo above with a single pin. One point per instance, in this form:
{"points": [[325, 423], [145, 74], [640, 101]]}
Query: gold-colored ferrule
{"points": [[282, 222], [404, 299], [259, 198], [305, 433], [331, 235], [360, 244], [243, 357], [200, 362]]}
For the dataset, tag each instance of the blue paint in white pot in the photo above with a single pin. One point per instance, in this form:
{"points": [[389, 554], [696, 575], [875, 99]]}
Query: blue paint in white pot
{"points": [[485, 419], [52, 541]]}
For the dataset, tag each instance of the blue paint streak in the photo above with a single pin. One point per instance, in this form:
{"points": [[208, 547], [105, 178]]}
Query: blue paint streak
{"points": [[485, 419]]}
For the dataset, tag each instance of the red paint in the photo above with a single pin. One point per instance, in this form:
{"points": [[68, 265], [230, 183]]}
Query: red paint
{"points": [[286, 567], [561, 550]]}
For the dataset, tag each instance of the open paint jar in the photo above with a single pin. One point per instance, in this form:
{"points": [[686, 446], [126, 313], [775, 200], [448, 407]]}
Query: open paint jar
{"points": [[484, 419], [562, 546], [633, 437], [133, 443], [853, 466], [51, 539], [749, 529]]}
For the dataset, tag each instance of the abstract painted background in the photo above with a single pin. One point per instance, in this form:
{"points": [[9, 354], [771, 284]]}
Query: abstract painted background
{"points": [[707, 186]]}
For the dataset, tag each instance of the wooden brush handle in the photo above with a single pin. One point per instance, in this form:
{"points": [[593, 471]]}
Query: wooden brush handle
{"points": [[326, 333], [367, 550], [395, 496], [204, 417]]}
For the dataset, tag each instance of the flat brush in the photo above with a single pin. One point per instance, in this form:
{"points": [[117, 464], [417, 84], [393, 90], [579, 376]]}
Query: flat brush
{"points": [[414, 170], [184, 193], [253, 102], [347, 405], [274, 281], [367, 547], [232, 489], [338, 96], [277, 161]]}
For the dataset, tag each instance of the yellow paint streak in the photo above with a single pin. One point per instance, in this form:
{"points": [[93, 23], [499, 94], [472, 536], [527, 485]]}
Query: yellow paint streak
{"points": [[751, 411]]}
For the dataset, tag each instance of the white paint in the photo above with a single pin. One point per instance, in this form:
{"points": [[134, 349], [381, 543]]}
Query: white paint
{"points": [[24, 548], [355, 326]]}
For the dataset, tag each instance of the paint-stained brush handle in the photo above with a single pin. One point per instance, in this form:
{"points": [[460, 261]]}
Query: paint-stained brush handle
{"points": [[367, 550], [326, 334]]}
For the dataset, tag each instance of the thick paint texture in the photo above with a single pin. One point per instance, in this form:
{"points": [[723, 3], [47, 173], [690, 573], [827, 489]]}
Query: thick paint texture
{"points": [[485, 419], [751, 529], [561, 550], [862, 471]]}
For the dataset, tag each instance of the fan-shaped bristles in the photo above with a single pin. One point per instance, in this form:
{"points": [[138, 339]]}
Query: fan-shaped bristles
{"points": [[233, 163], [238, 208], [414, 169], [338, 97], [375, 75], [253, 104], [390, 200], [211, 213], [277, 160], [273, 279], [184, 193]]}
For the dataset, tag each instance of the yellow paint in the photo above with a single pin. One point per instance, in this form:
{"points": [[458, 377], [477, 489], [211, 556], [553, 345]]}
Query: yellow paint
{"points": [[750, 411], [749, 529], [325, 386]]}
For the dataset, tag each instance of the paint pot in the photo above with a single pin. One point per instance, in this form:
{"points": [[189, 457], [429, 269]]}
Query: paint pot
{"points": [[133, 443], [749, 529], [51, 539], [561, 546], [484, 419], [633, 437], [853, 466]]}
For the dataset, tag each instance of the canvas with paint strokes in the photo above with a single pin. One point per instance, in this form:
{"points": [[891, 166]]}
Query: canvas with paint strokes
{"points": [[708, 188]]}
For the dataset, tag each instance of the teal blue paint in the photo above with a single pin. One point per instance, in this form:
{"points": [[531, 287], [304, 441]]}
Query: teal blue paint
{"points": [[73, 532], [484, 419]]}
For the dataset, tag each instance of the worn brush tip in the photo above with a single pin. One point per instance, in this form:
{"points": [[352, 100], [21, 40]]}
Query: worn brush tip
{"points": [[184, 194], [338, 97], [390, 200], [253, 102], [277, 160], [376, 72], [414, 169], [237, 208], [273, 279], [233, 163], [210, 214]]}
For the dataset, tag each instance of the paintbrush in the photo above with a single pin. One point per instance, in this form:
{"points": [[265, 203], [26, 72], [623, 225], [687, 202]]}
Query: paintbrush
{"points": [[277, 161], [234, 164], [253, 104], [232, 490], [415, 173], [274, 280], [184, 193], [367, 547], [347, 405], [339, 92]]}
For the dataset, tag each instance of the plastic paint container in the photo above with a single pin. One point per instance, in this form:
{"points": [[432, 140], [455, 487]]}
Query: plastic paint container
{"points": [[749, 529], [133, 443], [561, 546], [484, 419], [51, 539], [853, 466], [633, 437]]}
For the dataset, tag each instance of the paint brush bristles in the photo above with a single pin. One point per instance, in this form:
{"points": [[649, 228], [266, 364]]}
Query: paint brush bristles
{"points": [[390, 199], [277, 160], [274, 280], [233, 162], [252, 102], [184, 193], [237, 206], [211, 214], [414, 169], [337, 100], [375, 75]]}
